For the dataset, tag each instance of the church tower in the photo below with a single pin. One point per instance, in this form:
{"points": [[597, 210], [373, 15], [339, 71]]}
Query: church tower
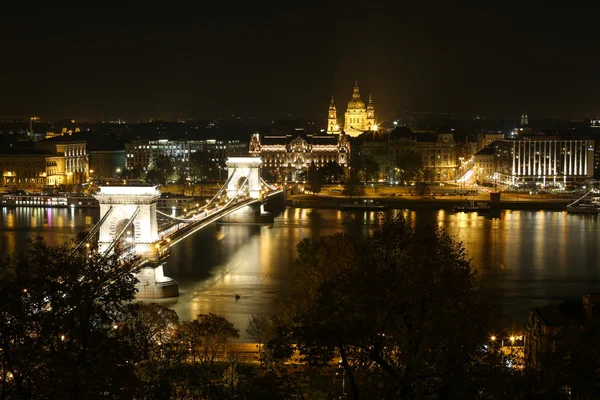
{"points": [[332, 124], [524, 119], [370, 114]]}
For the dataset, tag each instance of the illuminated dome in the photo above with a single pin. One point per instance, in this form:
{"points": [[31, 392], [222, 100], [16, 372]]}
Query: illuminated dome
{"points": [[353, 104], [356, 102]]}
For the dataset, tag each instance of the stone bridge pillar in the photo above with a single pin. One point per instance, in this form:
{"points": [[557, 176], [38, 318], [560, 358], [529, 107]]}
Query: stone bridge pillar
{"points": [[142, 233]]}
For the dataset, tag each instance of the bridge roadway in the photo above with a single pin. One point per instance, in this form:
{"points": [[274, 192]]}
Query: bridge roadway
{"points": [[186, 227]]}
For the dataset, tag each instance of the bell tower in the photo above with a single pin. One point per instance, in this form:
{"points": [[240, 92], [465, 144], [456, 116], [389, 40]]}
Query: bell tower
{"points": [[332, 124], [370, 114]]}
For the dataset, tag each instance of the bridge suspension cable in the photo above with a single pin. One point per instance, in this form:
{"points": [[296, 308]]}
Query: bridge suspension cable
{"points": [[93, 231], [222, 188], [267, 185], [196, 218], [581, 198], [111, 246]]}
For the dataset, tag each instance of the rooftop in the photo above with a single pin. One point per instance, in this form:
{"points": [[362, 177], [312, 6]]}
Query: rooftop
{"points": [[567, 313], [24, 150], [486, 151]]}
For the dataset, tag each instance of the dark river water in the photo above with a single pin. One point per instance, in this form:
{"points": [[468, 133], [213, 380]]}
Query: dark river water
{"points": [[528, 258]]}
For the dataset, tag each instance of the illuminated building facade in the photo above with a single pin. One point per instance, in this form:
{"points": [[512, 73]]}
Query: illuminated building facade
{"points": [[439, 152], [545, 159], [49, 163], [484, 164], [357, 119], [286, 157], [145, 153]]}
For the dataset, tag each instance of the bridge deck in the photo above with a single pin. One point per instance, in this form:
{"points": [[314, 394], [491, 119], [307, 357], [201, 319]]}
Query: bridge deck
{"points": [[183, 229]]}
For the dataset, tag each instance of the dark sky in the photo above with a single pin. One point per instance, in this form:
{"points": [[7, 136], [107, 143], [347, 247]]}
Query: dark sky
{"points": [[259, 59]]}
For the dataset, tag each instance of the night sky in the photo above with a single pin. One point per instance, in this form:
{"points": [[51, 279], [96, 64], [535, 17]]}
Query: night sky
{"points": [[253, 60]]}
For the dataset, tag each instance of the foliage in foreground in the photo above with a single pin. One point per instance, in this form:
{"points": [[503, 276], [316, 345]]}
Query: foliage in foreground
{"points": [[402, 312], [68, 330], [57, 311]]}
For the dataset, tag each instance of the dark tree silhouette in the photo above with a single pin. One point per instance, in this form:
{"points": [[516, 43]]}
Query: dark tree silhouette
{"points": [[403, 312]]}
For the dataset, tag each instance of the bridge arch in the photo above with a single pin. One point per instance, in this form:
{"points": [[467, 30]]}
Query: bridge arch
{"points": [[244, 169]]}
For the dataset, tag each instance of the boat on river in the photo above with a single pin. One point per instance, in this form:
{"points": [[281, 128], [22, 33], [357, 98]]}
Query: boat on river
{"points": [[364, 205], [471, 206], [54, 200]]}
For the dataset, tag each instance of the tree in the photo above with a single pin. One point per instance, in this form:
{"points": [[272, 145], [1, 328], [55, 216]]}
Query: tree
{"points": [[216, 331], [202, 165], [403, 311], [428, 175], [410, 166], [156, 177], [315, 179], [368, 167], [165, 167], [422, 189], [259, 330], [332, 171], [384, 161], [353, 186], [59, 310], [149, 326], [135, 173]]}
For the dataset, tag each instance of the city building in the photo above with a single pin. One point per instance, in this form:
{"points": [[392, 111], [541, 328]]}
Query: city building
{"points": [[106, 163], [439, 151], [357, 119], [544, 160], [45, 163], [549, 326], [484, 164], [144, 153], [486, 139], [288, 157]]}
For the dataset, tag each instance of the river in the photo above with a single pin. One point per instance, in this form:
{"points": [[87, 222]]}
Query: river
{"points": [[528, 258]]}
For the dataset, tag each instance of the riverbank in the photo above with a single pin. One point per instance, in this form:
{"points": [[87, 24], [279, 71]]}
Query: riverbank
{"points": [[375, 202]]}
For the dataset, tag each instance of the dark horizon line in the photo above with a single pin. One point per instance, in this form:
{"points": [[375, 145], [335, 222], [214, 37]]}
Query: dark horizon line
{"points": [[290, 116]]}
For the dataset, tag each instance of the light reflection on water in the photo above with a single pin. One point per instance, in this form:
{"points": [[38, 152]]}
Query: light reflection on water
{"points": [[529, 258], [56, 225]]}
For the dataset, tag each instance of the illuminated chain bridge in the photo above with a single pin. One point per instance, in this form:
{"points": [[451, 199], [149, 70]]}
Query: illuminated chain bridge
{"points": [[129, 221]]}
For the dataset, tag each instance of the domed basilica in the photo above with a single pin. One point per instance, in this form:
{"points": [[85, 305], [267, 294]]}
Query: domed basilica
{"points": [[358, 117]]}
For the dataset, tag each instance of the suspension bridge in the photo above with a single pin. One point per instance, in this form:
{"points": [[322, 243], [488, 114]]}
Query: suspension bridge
{"points": [[130, 222], [589, 203]]}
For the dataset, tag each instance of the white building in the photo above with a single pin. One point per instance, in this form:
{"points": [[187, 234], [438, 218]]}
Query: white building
{"points": [[545, 159], [145, 153]]}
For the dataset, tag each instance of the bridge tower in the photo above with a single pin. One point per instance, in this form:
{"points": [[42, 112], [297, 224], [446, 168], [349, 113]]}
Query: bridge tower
{"points": [[128, 218], [127, 202], [240, 169]]}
